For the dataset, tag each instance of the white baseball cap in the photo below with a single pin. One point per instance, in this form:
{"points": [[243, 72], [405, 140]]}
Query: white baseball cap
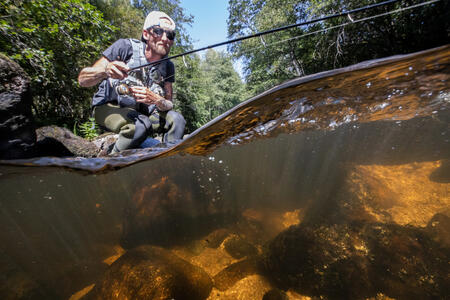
{"points": [[158, 18]]}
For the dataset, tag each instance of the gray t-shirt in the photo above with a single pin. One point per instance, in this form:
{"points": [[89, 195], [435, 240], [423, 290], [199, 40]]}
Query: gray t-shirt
{"points": [[122, 50]]}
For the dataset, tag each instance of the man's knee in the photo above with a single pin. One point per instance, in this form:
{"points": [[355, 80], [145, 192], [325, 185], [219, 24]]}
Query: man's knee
{"points": [[175, 118]]}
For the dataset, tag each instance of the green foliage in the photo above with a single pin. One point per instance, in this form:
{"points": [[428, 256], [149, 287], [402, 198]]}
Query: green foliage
{"points": [[209, 87], [88, 130], [280, 56], [221, 85], [52, 40], [122, 15]]}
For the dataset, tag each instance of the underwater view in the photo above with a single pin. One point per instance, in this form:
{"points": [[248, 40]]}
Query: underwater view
{"points": [[330, 186]]}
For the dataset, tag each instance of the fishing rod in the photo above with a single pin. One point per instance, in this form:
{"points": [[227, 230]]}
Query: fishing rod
{"points": [[270, 31]]}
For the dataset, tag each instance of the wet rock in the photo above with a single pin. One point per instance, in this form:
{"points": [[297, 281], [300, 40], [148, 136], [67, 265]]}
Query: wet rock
{"points": [[57, 141], [275, 294], [238, 248], [439, 229], [184, 207], [358, 261], [16, 123], [320, 260], [402, 194], [149, 272], [407, 263], [235, 272], [215, 238], [442, 173], [250, 287]]}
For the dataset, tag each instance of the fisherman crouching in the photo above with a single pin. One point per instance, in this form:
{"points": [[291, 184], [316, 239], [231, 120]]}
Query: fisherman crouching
{"points": [[136, 103]]}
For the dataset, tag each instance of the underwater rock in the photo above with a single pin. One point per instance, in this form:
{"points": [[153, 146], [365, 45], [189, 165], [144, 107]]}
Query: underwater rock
{"points": [[439, 229], [215, 238], [248, 288], [239, 248], [16, 122], [235, 272], [149, 272], [358, 261], [275, 294], [183, 207], [403, 194], [407, 263], [320, 260], [57, 141]]}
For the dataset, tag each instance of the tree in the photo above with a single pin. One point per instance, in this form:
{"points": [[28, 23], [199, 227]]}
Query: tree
{"points": [[277, 57], [222, 86], [52, 40]]}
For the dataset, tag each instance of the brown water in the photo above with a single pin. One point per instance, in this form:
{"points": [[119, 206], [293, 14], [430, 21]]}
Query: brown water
{"points": [[331, 186]]}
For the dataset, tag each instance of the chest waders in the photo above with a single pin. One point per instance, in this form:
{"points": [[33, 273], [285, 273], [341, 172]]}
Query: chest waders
{"points": [[135, 121]]}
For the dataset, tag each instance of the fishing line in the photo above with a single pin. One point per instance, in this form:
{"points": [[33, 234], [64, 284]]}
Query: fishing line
{"points": [[340, 25], [272, 31]]}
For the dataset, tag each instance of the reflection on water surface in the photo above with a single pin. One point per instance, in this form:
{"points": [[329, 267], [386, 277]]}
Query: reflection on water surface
{"points": [[334, 186]]}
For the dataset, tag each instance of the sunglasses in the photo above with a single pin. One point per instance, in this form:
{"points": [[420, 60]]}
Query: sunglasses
{"points": [[159, 32]]}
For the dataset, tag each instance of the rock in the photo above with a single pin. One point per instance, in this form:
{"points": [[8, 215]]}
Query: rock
{"points": [[105, 142], [235, 272], [57, 141], [407, 263], [183, 207], [275, 294], [439, 229], [320, 260], [406, 194], [16, 123], [215, 238], [359, 261], [149, 272], [238, 248]]}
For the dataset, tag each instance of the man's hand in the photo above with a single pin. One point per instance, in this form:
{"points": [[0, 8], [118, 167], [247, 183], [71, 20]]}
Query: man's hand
{"points": [[102, 69], [145, 95], [116, 69]]}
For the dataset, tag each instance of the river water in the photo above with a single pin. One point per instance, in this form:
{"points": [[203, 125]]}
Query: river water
{"points": [[351, 163]]}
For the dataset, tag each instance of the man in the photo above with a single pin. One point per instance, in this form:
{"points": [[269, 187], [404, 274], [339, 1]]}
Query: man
{"points": [[136, 103]]}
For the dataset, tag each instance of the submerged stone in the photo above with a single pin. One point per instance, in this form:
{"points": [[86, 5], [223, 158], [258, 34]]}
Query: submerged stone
{"points": [[150, 272], [235, 272], [358, 261], [182, 209], [238, 248], [320, 260], [403, 194]]}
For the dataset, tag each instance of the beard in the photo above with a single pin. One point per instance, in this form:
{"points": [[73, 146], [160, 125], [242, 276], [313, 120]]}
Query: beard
{"points": [[159, 48]]}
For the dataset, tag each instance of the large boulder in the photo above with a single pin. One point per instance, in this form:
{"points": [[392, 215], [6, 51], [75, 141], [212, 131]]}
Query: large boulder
{"points": [[149, 272], [17, 130], [58, 141], [359, 261]]}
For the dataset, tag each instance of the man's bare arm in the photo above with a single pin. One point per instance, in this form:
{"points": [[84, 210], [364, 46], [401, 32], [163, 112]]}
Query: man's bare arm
{"points": [[166, 104], [102, 69]]}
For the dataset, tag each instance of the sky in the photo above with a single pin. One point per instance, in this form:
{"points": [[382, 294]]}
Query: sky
{"points": [[210, 24], [210, 21]]}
